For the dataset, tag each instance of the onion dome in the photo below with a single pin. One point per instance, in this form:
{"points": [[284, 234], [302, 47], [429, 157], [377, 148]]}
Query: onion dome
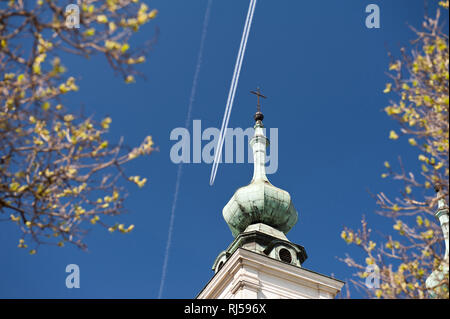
{"points": [[260, 201]]}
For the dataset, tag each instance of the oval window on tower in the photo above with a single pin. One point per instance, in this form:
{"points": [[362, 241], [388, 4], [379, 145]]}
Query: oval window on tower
{"points": [[285, 255]]}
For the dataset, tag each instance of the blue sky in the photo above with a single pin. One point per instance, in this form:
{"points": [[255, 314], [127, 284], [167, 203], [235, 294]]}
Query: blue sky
{"points": [[324, 73]]}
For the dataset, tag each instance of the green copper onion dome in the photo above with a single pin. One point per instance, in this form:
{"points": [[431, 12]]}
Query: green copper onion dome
{"points": [[260, 201]]}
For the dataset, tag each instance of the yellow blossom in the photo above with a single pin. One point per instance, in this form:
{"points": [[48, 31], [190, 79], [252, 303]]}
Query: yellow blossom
{"points": [[102, 19], [412, 141], [369, 261], [393, 135], [129, 79], [14, 218]]}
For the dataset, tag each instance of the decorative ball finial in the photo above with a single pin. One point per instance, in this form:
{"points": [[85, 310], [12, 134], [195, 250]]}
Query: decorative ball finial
{"points": [[258, 117], [438, 187]]}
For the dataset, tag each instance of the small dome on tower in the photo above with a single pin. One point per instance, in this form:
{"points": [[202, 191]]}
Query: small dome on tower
{"points": [[260, 202]]}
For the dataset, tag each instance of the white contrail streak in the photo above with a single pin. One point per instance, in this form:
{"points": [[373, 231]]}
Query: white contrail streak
{"points": [[180, 166], [233, 88], [232, 93]]}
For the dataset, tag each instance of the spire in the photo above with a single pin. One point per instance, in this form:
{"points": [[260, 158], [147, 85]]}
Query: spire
{"points": [[434, 281], [260, 201], [261, 262], [260, 215], [442, 215], [259, 142]]}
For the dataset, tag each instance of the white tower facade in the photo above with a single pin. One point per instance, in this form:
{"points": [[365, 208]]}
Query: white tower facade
{"points": [[249, 275]]}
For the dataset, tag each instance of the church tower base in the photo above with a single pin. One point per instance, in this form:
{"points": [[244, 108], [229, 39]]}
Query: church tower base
{"points": [[249, 275]]}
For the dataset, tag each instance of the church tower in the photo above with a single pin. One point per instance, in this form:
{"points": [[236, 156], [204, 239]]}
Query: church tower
{"points": [[434, 282], [261, 262]]}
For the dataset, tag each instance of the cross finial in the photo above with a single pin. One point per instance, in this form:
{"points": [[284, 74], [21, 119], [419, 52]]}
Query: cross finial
{"points": [[258, 94], [258, 116]]}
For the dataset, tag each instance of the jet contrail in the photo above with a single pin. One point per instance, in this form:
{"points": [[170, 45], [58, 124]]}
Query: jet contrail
{"points": [[232, 93], [180, 166]]}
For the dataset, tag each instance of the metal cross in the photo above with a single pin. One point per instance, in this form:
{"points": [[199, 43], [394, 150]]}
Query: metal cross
{"points": [[258, 94]]}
